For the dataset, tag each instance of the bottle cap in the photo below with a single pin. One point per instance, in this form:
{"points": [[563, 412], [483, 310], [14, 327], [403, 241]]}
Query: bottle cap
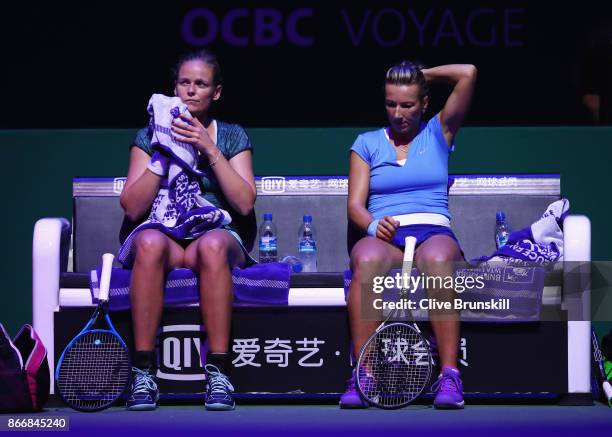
{"points": [[307, 218], [268, 216], [295, 263], [500, 216]]}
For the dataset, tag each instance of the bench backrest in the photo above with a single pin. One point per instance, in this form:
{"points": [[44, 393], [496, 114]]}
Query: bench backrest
{"points": [[473, 199]]}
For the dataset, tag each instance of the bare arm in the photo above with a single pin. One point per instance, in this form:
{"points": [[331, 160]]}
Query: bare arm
{"points": [[358, 189], [141, 186], [237, 181], [463, 77]]}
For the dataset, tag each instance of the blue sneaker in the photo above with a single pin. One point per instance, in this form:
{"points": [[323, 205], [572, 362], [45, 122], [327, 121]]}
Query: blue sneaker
{"points": [[144, 394], [449, 390], [218, 391], [351, 399]]}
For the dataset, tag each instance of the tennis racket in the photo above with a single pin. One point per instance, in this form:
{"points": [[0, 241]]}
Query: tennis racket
{"points": [[395, 364], [94, 369], [605, 385]]}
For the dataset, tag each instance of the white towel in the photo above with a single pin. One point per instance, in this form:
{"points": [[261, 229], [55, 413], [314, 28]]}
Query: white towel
{"points": [[179, 210], [547, 230], [163, 111]]}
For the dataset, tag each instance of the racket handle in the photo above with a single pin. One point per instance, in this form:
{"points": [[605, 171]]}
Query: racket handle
{"points": [[409, 244], [607, 388], [107, 266]]}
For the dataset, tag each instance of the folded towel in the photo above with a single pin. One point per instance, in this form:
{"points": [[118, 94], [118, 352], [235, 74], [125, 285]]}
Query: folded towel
{"points": [[179, 210], [260, 284]]}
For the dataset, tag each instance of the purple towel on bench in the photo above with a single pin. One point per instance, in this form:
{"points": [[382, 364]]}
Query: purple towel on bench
{"points": [[258, 285]]}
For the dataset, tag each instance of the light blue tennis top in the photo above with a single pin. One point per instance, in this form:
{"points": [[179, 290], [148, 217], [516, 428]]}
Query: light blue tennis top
{"points": [[419, 185]]}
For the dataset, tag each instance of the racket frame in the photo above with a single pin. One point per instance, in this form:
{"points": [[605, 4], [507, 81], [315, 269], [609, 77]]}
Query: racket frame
{"points": [[99, 314]]}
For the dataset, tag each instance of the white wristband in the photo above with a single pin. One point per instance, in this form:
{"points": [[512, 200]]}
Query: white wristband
{"points": [[372, 227]]}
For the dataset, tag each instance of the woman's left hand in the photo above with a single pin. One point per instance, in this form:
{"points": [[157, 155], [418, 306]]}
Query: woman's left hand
{"points": [[191, 130]]}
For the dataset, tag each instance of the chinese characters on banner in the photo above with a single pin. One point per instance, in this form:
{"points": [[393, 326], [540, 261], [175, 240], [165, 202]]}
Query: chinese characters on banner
{"points": [[277, 352]]}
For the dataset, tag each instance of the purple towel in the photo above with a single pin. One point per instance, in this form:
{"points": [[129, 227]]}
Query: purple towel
{"points": [[260, 284], [521, 246]]}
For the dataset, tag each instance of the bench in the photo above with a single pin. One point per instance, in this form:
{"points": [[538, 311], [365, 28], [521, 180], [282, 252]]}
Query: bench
{"points": [[303, 349]]}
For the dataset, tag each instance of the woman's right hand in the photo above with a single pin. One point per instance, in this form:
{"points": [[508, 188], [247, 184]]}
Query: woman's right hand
{"points": [[386, 228]]}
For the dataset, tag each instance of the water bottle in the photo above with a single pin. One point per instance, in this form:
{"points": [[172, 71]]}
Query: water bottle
{"points": [[307, 245], [502, 230], [294, 263], [267, 240]]}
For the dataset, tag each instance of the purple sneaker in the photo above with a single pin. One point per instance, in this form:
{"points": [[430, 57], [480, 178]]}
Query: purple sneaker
{"points": [[449, 390], [351, 397]]}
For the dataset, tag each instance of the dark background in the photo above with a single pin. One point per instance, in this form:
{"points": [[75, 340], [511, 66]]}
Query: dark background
{"points": [[95, 64]]}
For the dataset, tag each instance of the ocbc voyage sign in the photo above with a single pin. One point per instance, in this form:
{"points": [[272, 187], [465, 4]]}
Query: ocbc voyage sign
{"points": [[385, 27]]}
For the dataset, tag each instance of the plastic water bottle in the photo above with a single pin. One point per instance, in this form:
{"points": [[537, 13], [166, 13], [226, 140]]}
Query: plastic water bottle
{"points": [[502, 230], [267, 240], [307, 245], [294, 263]]}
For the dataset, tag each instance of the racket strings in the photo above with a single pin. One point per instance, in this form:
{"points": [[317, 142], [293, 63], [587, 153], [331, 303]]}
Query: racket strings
{"points": [[94, 371], [395, 366]]}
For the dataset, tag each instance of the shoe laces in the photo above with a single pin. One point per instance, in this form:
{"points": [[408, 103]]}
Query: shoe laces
{"points": [[217, 381], [143, 381], [449, 381]]}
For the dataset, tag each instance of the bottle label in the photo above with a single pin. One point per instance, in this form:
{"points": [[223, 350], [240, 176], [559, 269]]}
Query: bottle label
{"points": [[307, 246], [267, 244], [502, 239]]}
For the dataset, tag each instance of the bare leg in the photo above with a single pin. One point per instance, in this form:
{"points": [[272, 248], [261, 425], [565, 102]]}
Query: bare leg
{"points": [[155, 255], [438, 257], [214, 255], [370, 257]]}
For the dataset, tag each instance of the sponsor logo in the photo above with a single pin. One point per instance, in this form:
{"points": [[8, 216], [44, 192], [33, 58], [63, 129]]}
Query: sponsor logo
{"points": [[242, 27], [273, 184], [118, 184], [180, 353]]}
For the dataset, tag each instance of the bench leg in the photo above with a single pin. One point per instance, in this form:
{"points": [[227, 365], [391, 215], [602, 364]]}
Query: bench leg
{"points": [[49, 241], [577, 301]]}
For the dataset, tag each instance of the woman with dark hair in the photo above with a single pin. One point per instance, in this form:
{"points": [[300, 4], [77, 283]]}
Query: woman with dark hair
{"points": [[225, 158], [398, 180]]}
